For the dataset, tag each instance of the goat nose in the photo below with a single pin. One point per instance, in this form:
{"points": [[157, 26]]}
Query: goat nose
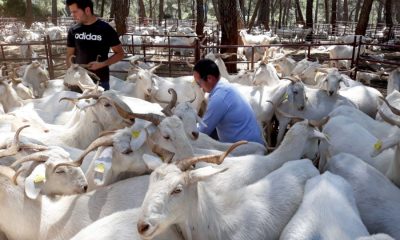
{"points": [[142, 227], [195, 135], [330, 92], [85, 188], [301, 108]]}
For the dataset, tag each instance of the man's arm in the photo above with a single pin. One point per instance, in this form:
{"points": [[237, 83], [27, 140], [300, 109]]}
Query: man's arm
{"points": [[70, 52], [118, 55], [216, 110]]}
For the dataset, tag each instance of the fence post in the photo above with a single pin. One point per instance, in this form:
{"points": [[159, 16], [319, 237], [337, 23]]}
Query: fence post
{"points": [[358, 57], [49, 56], [354, 51]]}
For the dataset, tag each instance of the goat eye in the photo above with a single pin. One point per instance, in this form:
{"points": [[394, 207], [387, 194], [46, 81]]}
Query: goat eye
{"points": [[60, 171], [294, 92], [166, 137], [107, 105], [176, 191]]}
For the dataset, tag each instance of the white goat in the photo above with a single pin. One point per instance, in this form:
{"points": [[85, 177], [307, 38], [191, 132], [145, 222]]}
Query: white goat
{"points": [[180, 196], [34, 76], [393, 82], [377, 198], [365, 98], [340, 132], [118, 226], [62, 217], [306, 103], [328, 211]]}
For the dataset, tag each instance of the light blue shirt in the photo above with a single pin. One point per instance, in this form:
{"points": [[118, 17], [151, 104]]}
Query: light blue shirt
{"points": [[230, 113]]}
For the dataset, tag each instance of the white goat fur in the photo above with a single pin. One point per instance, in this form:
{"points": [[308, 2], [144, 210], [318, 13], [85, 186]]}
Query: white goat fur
{"points": [[328, 211], [208, 214], [377, 198], [62, 217]]}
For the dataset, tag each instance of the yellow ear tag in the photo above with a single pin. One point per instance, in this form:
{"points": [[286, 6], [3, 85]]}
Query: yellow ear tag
{"points": [[378, 145], [39, 179], [285, 97], [135, 134], [99, 167]]}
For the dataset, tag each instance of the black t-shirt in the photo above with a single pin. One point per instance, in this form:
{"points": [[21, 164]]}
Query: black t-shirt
{"points": [[92, 40]]}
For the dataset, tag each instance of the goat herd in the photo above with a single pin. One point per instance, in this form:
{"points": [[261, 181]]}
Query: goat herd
{"points": [[130, 163]]}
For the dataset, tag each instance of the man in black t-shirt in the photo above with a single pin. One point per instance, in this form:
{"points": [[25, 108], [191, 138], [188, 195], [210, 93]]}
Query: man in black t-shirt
{"points": [[92, 37]]}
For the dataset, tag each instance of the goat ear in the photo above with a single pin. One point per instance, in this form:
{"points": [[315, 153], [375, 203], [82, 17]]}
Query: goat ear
{"points": [[137, 139], [35, 181], [319, 135], [204, 173], [345, 82], [152, 162], [200, 120]]}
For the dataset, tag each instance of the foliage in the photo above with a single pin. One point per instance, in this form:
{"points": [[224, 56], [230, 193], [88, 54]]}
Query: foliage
{"points": [[17, 8]]}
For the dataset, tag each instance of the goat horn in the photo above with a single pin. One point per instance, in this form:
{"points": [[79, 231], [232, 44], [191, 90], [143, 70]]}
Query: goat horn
{"points": [[73, 100], [15, 177], [15, 146], [388, 119], [93, 75], [101, 141], [393, 109], [37, 157], [168, 109], [214, 158], [294, 118], [318, 124], [151, 117], [36, 147], [166, 155], [291, 78]]}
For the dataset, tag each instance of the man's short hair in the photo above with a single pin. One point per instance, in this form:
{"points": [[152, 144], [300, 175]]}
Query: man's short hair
{"points": [[82, 4], [205, 67]]}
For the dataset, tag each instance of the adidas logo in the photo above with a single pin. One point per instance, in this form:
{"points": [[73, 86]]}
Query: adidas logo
{"points": [[85, 36]]}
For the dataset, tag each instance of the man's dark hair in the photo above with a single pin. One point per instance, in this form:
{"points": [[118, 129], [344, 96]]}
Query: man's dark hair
{"points": [[82, 4], [206, 67]]}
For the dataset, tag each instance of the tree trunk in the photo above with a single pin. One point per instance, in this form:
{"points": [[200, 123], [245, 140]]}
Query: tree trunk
{"points": [[121, 13], [316, 12], [285, 6], [309, 12], [242, 9], [326, 11], [333, 17], [358, 7], [180, 10], [112, 8], [200, 18], [309, 19], [54, 12], [216, 10], [151, 9], [253, 18], [338, 11], [141, 11], [102, 8], [379, 10], [289, 6], [28, 14], [300, 19], [229, 29], [240, 19], [248, 12], [280, 14], [364, 17], [345, 11], [160, 12], [388, 15]]}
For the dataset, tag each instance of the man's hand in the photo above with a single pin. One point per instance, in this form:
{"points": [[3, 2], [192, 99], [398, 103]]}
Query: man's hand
{"points": [[96, 65]]}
